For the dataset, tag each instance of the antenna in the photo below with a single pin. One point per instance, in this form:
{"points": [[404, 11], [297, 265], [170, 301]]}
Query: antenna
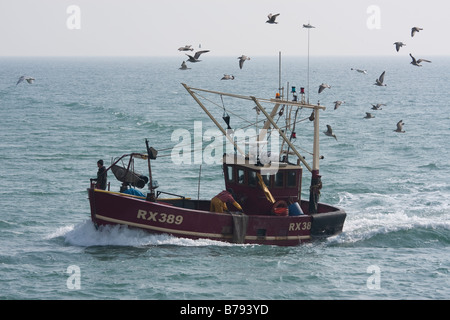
{"points": [[279, 75], [308, 26]]}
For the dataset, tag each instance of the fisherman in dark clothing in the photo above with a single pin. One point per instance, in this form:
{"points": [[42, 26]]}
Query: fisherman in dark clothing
{"points": [[101, 176]]}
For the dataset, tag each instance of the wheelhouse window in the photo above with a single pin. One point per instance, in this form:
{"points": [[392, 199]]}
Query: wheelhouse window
{"points": [[251, 178], [266, 179], [291, 178], [278, 179], [241, 176], [230, 173]]}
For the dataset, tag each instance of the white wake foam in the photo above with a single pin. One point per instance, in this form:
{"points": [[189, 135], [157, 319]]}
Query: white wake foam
{"points": [[85, 235], [371, 214]]}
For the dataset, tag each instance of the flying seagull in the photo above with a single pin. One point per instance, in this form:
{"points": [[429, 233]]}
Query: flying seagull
{"points": [[415, 62], [360, 70], [227, 77], [196, 56], [377, 106], [186, 48], [323, 86], [184, 66], [398, 45], [380, 80], [242, 60], [414, 30], [400, 127], [337, 104], [369, 115], [329, 132], [272, 18], [28, 79]]}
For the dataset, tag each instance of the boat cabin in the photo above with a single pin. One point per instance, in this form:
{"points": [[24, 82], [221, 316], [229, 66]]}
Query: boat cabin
{"points": [[257, 187]]}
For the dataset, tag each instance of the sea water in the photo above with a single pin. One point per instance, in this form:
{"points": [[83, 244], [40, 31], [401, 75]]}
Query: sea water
{"points": [[395, 187]]}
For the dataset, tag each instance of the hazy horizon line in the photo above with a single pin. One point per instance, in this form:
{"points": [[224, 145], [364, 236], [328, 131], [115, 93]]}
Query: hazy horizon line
{"points": [[223, 56]]}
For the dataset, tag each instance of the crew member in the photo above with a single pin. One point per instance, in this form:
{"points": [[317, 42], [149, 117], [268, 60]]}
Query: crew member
{"points": [[219, 202], [101, 176]]}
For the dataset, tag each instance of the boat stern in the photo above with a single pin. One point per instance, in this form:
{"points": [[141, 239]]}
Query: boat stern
{"points": [[327, 224]]}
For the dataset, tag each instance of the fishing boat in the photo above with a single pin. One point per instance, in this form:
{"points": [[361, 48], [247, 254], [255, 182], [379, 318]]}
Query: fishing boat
{"points": [[266, 183]]}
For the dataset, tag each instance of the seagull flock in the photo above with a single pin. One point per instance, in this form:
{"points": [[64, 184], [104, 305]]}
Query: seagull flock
{"points": [[272, 19], [399, 44], [195, 58], [378, 82]]}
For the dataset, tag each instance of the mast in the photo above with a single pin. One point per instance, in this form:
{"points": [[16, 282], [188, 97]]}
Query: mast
{"points": [[316, 182], [308, 66], [280, 89], [316, 147], [281, 133], [308, 26]]}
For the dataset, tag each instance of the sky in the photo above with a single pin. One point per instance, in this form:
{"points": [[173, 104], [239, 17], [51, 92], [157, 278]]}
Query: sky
{"points": [[226, 27]]}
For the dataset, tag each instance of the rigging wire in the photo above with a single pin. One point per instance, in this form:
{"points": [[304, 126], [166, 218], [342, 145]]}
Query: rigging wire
{"points": [[285, 127]]}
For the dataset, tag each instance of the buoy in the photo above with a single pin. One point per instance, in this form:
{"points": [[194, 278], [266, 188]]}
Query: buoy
{"points": [[280, 208]]}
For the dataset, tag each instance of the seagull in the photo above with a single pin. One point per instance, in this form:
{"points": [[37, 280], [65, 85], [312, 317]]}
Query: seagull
{"points": [[329, 132], [242, 60], [337, 104], [323, 86], [227, 77], [308, 26], [380, 80], [184, 66], [186, 48], [28, 79], [414, 30], [360, 70], [196, 56], [417, 62], [369, 115], [398, 45], [400, 127], [272, 18], [377, 106]]}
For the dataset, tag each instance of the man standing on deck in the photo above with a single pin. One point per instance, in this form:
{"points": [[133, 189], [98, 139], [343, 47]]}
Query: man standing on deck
{"points": [[101, 176], [219, 202]]}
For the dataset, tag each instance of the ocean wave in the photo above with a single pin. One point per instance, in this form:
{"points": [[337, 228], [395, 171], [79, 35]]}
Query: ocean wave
{"points": [[431, 165]]}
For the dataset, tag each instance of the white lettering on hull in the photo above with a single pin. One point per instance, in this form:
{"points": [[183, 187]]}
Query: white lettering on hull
{"points": [[160, 217]]}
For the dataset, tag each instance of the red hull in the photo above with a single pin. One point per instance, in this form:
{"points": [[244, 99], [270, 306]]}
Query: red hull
{"points": [[169, 217]]}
